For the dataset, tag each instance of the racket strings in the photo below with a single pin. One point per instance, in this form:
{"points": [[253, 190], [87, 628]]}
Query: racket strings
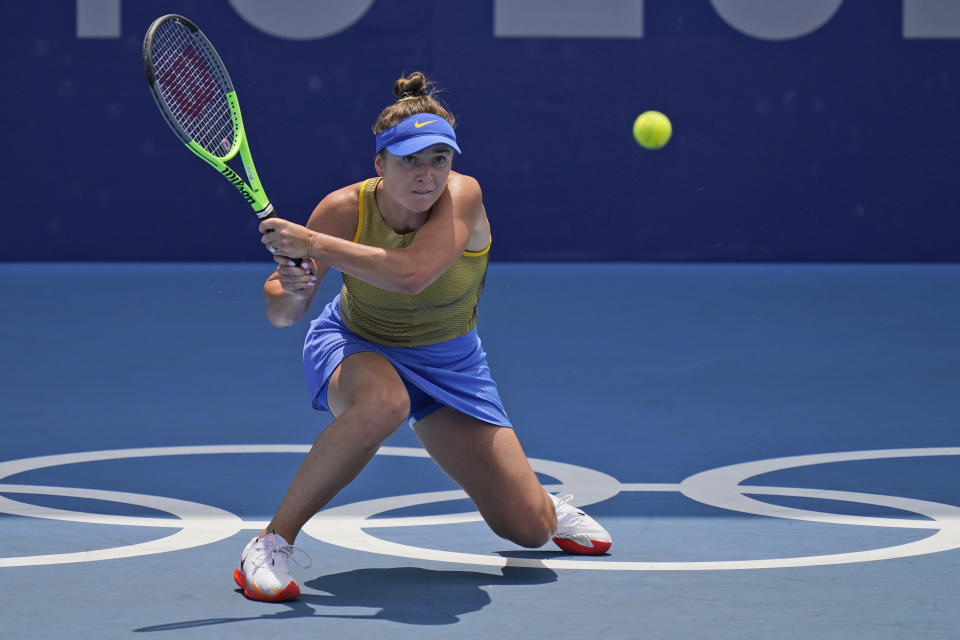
{"points": [[191, 89]]}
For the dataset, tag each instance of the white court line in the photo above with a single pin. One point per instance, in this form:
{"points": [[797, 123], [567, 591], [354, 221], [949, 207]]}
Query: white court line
{"points": [[345, 525]]}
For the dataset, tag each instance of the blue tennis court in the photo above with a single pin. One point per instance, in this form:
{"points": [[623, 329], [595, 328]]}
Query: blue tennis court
{"points": [[772, 447]]}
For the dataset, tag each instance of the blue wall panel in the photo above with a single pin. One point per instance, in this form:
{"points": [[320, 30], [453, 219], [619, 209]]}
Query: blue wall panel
{"points": [[837, 145]]}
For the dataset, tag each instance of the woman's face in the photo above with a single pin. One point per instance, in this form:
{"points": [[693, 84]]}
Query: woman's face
{"points": [[416, 181]]}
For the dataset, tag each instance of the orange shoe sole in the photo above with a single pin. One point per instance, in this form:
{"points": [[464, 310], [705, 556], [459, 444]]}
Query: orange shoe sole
{"points": [[599, 548], [290, 592]]}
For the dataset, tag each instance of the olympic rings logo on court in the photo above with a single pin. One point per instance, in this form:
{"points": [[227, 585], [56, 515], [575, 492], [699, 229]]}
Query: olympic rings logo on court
{"points": [[348, 525]]}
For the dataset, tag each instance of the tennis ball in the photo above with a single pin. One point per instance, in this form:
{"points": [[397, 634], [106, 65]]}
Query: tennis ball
{"points": [[652, 129]]}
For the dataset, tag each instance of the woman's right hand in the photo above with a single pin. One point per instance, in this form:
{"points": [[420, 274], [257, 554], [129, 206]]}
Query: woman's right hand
{"points": [[297, 280]]}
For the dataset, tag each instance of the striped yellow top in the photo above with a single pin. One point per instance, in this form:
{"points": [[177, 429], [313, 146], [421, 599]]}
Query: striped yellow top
{"points": [[444, 310]]}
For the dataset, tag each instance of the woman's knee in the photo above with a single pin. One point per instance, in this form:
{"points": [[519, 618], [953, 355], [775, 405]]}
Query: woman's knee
{"points": [[372, 421], [529, 528], [528, 534], [367, 385], [385, 407]]}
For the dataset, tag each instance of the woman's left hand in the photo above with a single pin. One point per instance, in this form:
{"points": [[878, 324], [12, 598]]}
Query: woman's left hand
{"points": [[285, 238]]}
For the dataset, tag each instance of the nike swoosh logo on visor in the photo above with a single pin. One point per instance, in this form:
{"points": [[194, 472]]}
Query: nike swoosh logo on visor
{"points": [[419, 124]]}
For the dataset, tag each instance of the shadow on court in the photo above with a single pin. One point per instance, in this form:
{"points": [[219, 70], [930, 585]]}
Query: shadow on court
{"points": [[408, 595]]}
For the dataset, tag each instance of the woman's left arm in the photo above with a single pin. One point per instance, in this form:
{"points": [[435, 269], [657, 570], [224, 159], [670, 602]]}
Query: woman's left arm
{"points": [[437, 245]]}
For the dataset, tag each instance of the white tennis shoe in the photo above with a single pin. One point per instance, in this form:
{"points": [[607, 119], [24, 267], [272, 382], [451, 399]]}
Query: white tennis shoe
{"points": [[264, 571], [576, 531]]}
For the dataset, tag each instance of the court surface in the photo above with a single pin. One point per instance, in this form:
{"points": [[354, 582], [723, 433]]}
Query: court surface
{"points": [[774, 449]]}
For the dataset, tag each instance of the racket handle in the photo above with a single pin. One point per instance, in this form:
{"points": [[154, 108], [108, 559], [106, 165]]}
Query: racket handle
{"points": [[271, 212], [268, 212]]}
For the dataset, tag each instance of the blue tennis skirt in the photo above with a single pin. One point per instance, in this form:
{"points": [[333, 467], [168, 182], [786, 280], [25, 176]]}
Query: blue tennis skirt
{"points": [[452, 373]]}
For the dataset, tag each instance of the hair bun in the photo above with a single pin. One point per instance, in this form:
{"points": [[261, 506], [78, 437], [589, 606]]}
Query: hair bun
{"points": [[414, 93], [414, 85]]}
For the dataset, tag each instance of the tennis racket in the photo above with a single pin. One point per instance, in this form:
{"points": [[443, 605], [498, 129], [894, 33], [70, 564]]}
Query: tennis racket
{"points": [[196, 97]]}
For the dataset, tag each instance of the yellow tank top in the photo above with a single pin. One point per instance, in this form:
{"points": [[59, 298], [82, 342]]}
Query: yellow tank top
{"points": [[444, 310]]}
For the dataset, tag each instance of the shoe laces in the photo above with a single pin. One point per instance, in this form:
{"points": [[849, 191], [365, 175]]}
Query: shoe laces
{"points": [[567, 514], [269, 552]]}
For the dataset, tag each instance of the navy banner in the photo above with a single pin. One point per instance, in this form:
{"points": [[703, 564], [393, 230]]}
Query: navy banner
{"points": [[804, 130]]}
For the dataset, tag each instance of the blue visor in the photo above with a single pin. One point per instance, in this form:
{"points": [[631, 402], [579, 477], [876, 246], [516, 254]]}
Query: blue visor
{"points": [[416, 133]]}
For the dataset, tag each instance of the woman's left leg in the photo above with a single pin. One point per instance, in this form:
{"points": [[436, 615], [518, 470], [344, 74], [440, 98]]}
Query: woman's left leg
{"points": [[488, 463]]}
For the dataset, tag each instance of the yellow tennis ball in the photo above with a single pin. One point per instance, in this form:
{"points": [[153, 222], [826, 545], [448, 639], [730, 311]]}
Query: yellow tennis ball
{"points": [[652, 129]]}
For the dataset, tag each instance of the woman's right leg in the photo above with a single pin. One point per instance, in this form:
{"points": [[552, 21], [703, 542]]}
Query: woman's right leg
{"points": [[370, 403]]}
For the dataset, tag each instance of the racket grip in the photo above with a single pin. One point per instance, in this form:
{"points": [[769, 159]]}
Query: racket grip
{"points": [[268, 212], [271, 212]]}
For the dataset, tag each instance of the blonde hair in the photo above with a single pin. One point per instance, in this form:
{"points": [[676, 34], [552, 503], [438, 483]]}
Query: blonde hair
{"points": [[414, 94]]}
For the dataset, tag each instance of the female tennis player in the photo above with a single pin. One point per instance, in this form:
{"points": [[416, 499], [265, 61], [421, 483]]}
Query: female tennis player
{"points": [[399, 342]]}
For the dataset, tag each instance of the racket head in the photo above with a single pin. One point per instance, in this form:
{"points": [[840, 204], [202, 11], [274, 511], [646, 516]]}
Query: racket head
{"points": [[192, 88]]}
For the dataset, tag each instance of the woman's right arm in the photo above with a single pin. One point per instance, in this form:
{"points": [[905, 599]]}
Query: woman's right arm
{"points": [[290, 289]]}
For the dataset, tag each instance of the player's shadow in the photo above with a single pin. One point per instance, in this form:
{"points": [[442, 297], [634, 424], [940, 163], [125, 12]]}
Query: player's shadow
{"points": [[409, 595], [412, 595]]}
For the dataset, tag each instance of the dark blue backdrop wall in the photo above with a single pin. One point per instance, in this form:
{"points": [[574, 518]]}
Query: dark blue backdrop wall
{"points": [[805, 130]]}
